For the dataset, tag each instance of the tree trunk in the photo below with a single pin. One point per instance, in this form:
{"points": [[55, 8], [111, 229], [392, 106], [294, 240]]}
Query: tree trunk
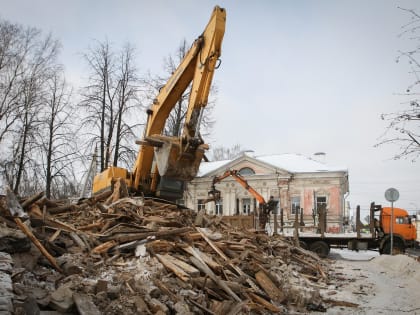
{"points": [[22, 154], [118, 135]]}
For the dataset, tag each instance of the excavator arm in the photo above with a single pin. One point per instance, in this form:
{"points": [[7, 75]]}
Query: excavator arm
{"points": [[174, 160], [215, 194], [264, 207]]}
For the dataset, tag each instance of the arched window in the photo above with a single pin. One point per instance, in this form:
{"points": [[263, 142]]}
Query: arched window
{"points": [[246, 171]]}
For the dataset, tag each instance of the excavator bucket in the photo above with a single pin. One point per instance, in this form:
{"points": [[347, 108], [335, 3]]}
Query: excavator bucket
{"points": [[172, 162], [214, 194]]}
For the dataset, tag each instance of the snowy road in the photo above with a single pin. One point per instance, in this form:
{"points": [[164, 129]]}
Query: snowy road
{"points": [[378, 284]]}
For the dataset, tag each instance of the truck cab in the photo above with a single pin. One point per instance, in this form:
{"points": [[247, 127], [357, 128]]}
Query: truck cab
{"points": [[402, 226]]}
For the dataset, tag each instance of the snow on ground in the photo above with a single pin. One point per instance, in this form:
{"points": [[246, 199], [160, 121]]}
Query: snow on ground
{"points": [[378, 284]]}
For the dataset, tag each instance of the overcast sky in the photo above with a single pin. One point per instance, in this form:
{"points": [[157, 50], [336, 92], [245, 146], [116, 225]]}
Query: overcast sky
{"points": [[296, 76]]}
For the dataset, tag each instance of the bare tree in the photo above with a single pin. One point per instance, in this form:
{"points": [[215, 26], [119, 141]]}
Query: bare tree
{"points": [[221, 153], [403, 126], [108, 98], [35, 73], [16, 47], [34, 112], [127, 91], [58, 147], [175, 121], [98, 98]]}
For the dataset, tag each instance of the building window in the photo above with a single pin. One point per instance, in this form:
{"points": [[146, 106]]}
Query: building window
{"points": [[246, 171], [275, 205], [321, 202], [295, 203], [180, 202], [246, 206], [219, 207], [201, 205]]}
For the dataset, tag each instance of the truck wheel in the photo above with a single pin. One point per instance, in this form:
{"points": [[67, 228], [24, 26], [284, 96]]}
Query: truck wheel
{"points": [[398, 248], [321, 248]]}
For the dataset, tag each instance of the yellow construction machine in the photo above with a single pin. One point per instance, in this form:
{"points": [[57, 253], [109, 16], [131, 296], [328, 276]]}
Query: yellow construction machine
{"points": [[164, 163]]}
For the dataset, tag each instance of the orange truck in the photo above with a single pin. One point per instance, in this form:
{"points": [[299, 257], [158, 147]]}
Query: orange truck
{"points": [[403, 229], [404, 234]]}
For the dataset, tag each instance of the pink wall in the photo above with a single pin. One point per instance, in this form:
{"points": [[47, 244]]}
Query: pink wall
{"points": [[335, 201], [308, 197]]}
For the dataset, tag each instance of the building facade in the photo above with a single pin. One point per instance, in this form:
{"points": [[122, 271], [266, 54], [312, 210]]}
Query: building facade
{"points": [[298, 183]]}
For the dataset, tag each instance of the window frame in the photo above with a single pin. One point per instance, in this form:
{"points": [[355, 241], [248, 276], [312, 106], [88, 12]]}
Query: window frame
{"points": [[201, 205], [293, 205], [247, 203], [218, 207], [318, 203], [245, 171]]}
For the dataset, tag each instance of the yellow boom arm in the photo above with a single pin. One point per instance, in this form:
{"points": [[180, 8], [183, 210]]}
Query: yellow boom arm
{"points": [[177, 158]]}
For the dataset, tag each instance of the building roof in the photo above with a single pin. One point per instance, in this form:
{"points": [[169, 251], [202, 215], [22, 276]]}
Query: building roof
{"points": [[293, 163]]}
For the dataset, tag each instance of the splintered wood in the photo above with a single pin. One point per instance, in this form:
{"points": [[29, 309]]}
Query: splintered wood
{"points": [[230, 270]]}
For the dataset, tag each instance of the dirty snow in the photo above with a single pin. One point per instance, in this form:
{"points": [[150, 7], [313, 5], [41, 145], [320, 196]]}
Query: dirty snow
{"points": [[378, 284]]}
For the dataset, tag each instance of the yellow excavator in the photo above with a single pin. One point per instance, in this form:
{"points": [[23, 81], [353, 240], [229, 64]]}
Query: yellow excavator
{"points": [[164, 163]]}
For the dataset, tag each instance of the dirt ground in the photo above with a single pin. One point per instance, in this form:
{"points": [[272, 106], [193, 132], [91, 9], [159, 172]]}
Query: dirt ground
{"points": [[377, 284]]}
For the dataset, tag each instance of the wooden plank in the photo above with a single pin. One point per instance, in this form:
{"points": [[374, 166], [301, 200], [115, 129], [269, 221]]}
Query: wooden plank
{"points": [[203, 257], [212, 245], [54, 236], [96, 198], [103, 248], [307, 264], [44, 201], [181, 274], [183, 265], [32, 200], [78, 240], [236, 268], [340, 303], [259, 300], [204, 268], [269, 287], [165, 290], [139, 236], [34, 240], [91, 226], [201, 307], [36, 212], [158, 246], [204, 282], [85, 305], [62, 209]]}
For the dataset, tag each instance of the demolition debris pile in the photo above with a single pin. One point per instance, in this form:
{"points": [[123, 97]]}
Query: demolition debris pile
{"points": [[111, 255]]}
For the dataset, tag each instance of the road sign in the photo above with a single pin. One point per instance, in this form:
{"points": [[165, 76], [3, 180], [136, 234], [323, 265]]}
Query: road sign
{"points": [[391, 194]]}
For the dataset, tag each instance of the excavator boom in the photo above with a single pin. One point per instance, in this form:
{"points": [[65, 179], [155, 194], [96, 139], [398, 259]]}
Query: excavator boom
{"points": [[171, 160], [241, 180], [264, 207]]}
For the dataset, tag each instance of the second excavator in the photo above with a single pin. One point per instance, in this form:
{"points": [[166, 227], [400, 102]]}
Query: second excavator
{"points": [[264, 209]]}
